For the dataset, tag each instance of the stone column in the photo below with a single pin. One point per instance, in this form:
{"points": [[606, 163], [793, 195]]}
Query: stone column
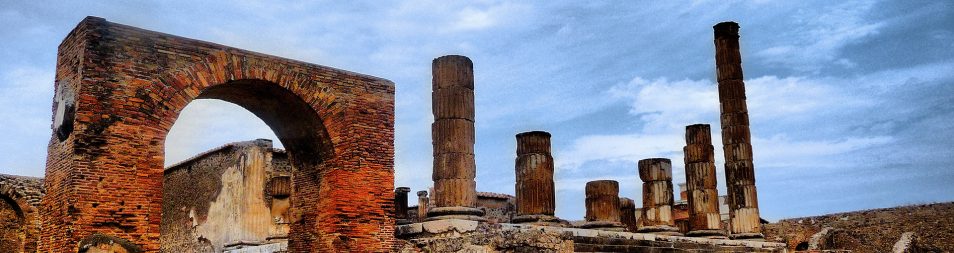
{"points": [[701, 192], [400, 204], [656, 174], [535, 188], [602, 206], [452, 133], [736, 139], [422, 205], [627, 213]]}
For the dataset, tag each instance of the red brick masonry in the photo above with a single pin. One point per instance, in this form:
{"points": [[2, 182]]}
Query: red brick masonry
{"points": [[105, 169]]}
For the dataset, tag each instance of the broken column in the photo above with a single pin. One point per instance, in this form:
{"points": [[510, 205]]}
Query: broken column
{"points": [[400, 205], [704, 218], [421, 205], [602, 206], [627, 213], [656, 174], [736, 138], [452, 133], [535, 189]]}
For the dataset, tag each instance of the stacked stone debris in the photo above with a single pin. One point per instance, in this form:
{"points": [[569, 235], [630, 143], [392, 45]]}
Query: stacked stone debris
{"points": [[744, 220], [656, 174], [455, 191], [536, 199], [701, 192]]}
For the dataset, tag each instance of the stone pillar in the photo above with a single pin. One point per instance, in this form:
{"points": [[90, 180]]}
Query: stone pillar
{"points": [[656, 174], [602, 206], [536, 199], [422, 205], [400, 205], [452, 133], [736, 138], [701, 192], [627, 213]]}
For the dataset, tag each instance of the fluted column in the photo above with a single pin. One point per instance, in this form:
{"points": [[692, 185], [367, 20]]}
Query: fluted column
{"points": [[704, 218], [736, 138], [535, 188], [422, 205], [656, 174], [627, 213], [452, 133], [400, 204], [602, 206]]}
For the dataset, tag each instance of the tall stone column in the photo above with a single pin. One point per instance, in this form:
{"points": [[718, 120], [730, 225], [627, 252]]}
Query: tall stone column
{"points": [[656, 174], [535, 189], [736, 138], [627, 214], [422, 205], [704, 218], [400, 204], [602, 206], [452, 133]]}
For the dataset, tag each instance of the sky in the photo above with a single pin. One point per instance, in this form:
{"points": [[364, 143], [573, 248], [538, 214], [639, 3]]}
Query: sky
{"points": [[851, 102]]}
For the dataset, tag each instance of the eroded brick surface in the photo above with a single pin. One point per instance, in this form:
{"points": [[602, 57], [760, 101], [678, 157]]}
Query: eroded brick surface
{"points": [[130, 84]]}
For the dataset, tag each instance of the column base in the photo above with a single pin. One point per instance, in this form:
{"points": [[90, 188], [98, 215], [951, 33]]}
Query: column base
{"points": [[540, 220], [708, 233], [748, 237], [455, 212], [604, 225], [659, 229]]}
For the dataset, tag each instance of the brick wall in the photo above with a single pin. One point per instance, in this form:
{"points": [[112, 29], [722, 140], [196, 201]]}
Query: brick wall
{"points": [[874, 230], [19, 216], [127, 86]]}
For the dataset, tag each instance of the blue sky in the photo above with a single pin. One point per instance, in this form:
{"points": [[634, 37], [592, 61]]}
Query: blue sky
{"points": [[851, 102]]}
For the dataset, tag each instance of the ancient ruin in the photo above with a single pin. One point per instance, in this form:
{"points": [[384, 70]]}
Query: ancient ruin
{"points": [[701, 192], [455, 191], [236, 196], [123, 88], [656, 217], [536, 200], [119, 89], [736, 139], [19, 213], [602, 206], [627, 214]]}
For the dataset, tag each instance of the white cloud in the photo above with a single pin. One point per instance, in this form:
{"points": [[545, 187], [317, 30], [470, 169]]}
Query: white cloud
{"points": [[816, 37]]}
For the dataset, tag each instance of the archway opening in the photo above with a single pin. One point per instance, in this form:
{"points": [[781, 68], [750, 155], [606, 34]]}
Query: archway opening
{"points": [[243, 192], [11, 226], [802, 246]]}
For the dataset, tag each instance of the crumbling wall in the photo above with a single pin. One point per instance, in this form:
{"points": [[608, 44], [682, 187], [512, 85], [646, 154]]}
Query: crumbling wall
{"points": [[219, 198], [498, 208], [19, 216], [876, 230]]}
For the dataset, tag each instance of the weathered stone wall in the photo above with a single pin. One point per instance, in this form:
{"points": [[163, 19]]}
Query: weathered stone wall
{"points": [[221, 197], [498, 208], [874, 230], [19, 217], [122, 89]]}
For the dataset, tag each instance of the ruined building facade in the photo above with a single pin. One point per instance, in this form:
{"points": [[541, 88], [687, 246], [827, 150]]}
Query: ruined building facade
{"points": [[236, 196]]}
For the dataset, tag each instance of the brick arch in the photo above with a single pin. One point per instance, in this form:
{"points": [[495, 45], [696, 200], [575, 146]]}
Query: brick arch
{"points": [[105, 175], [27, 214]]}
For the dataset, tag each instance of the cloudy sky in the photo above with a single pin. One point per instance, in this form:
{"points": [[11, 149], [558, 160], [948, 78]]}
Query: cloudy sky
{"points": [[852, 103]]}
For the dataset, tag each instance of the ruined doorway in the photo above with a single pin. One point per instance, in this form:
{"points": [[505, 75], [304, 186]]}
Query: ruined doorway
{"points": [[121, 88]]}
